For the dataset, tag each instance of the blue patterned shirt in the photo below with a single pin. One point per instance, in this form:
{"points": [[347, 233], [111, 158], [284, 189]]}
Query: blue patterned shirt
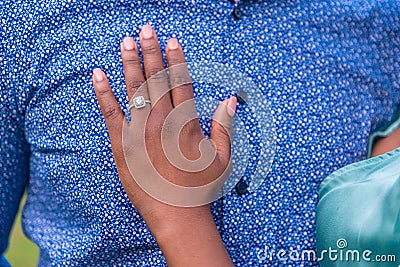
{"points": [[329, 72]]}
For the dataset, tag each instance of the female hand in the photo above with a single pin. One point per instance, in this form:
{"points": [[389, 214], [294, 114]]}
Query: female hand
{"points": [[164, 142]]}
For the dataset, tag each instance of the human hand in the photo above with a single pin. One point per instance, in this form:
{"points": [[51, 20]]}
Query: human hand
{"points": [[139, 146]]}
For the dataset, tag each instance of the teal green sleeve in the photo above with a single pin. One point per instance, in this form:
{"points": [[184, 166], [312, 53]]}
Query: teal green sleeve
{"points": [[358, 214]]}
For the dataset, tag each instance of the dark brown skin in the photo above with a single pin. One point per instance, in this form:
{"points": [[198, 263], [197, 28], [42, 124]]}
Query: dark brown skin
{"points": [[172, 226], [386, 144]]}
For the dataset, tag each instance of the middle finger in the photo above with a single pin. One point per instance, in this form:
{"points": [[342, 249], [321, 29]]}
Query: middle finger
{"points": [[157, 78]]}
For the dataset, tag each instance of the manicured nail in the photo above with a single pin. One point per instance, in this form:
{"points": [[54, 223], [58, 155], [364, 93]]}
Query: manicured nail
{"points": [[173, 44], [231, 108], [129, 44], [147, 31], [98, 75]]}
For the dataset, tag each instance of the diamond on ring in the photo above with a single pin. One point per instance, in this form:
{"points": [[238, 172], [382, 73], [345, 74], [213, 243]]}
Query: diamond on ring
{"points": [[138, 102]]}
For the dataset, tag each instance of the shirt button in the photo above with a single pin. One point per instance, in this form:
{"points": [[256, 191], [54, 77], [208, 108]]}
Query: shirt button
{"points": [[237, 13], [241, 188], [242, 97]]}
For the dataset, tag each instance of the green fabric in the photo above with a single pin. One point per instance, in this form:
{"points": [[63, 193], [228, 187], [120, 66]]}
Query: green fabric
{"points": [[359, 209]]}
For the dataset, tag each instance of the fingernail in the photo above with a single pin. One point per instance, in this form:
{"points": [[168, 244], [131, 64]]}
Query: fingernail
{"points": [[129, 44], [147, 31], [173, 44], [98, 75], [231, 108]]}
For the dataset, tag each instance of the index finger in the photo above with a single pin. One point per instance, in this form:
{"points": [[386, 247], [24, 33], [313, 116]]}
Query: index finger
{"points": [[110, 108]]}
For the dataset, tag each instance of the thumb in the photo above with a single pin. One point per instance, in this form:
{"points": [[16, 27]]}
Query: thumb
{"points": [[222, 127]]}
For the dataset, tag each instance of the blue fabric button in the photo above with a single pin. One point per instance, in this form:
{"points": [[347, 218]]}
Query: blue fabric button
{"points": [[237, 13], [242, 97], [241, 188]]}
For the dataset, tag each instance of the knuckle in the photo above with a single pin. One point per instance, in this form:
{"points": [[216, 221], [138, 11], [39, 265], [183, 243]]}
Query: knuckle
{"points": [[111, 112], [142, 89], [150, 48], [157, 75], [181, 80], [103, 91], [176, 59], [130, 60], [134, 84]]}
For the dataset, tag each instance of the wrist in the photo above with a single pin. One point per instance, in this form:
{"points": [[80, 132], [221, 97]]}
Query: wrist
{"points": [[179, 222], [193, 240]]}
